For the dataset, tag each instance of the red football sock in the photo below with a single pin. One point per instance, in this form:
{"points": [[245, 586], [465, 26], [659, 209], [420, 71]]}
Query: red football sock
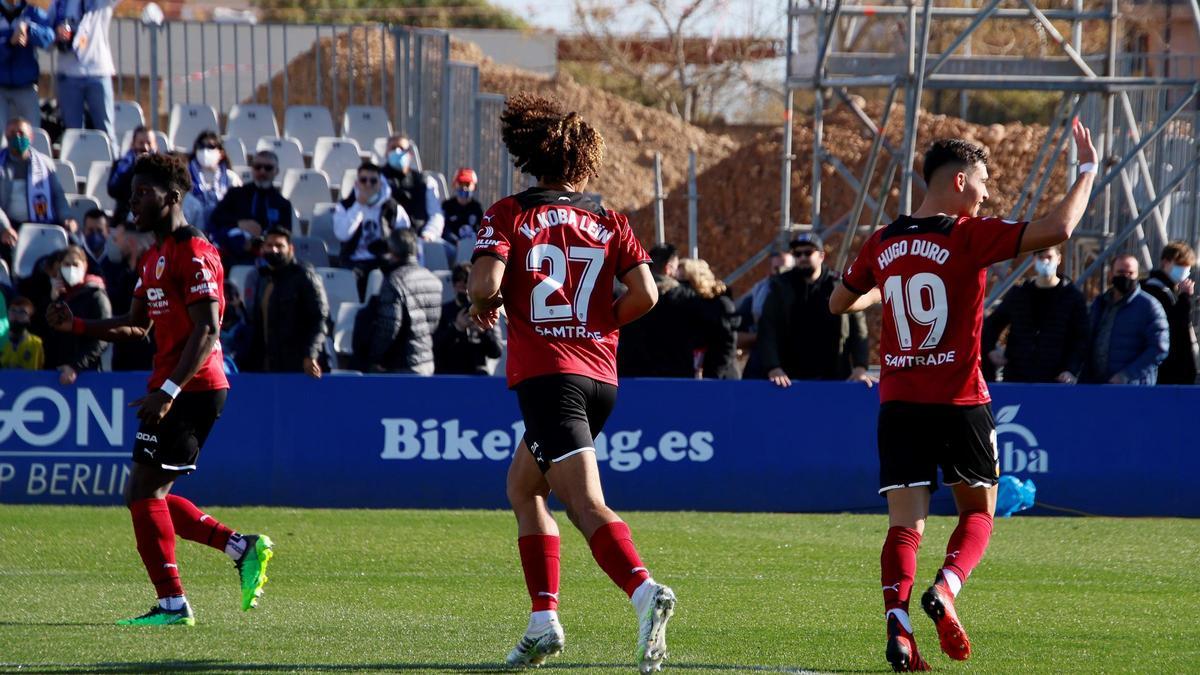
{"points": [[898, 566], [194, 525], [539, 559], [612, 547], [156, 544], [968, 542]]}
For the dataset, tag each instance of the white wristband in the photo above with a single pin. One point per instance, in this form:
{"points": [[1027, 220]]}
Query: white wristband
{"points": [[171, 389], [1087, 167]]}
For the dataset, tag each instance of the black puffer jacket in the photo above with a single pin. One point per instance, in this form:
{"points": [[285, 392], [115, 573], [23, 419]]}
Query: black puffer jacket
{"points": [[660, 343], [296, 322], [410, 305], [1042, 343], [1180, 365]]}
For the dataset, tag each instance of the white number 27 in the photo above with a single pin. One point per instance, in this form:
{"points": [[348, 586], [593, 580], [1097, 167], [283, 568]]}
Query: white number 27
{"points": [[556, 276], [923, 299]]}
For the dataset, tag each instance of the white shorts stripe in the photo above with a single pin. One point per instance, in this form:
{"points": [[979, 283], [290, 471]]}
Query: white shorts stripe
{"points": [[573, 452], [923, 483]]}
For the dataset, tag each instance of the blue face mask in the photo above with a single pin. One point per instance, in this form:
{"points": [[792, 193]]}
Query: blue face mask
{"points": [[1179, 272], [398, 159], [464, 193]]}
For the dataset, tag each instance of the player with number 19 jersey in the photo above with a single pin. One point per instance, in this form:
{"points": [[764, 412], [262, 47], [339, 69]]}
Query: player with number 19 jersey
{"points": [[932, 273], [562, 253]]}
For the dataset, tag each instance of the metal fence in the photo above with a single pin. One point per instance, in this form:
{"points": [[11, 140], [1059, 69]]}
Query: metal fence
{"points": [[405, 71]]}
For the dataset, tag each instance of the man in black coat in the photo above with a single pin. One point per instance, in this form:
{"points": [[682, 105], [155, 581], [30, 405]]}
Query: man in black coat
{"points": [[660, 343], [290, 316], [459, 346], [249, 210], [1170, 285], [1048, 327]]}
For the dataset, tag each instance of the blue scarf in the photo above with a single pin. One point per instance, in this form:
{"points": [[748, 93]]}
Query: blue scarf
{"points": [[215, 195], [37, 187]]}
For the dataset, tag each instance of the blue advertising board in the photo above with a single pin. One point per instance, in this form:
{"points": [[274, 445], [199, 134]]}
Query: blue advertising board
{"points": [[445, 442]]}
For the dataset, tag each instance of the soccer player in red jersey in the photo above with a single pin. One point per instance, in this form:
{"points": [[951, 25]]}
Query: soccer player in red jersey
{"points": [[930, 269], [179, 293], [549, 256]]}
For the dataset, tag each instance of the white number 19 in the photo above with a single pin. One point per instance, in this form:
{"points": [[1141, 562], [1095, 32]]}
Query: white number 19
{"points": [[925, 309], [556, 276]]}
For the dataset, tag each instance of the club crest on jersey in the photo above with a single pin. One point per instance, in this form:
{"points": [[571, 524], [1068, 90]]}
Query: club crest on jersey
{"points": [[160, 267], [486, 232]]}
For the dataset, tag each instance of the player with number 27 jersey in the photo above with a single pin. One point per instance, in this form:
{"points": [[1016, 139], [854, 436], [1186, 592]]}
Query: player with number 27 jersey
{"points": [[932, 273], [562, 251]]}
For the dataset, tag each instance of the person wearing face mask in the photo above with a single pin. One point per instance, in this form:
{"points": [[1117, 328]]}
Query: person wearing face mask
{"points": [[121, 274], [30, 191], [120, 176], [364, 220], [94, 238], [1129, 334], [85, 295], [410, 305], [24, 29], [462, 212], [21, 348], [85, 65], [249, 210], [414, 190], [1172, 286], [1047, 326], [211, 180], [459, 346], [291, 313], [798, 338]]}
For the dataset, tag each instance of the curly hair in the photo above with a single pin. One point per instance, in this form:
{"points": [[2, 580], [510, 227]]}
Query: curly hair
{"points": [[547, 143], [700, 277], [953, 152], [167, 171]]}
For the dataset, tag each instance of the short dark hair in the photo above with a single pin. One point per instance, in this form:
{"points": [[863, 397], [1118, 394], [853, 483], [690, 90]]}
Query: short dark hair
{"points": [[279, 232], [22, 301], [94, 213], [661, 254], [461, 272], [166, 171], [368, 166], [208, 135], [952, 152], [402, 242]]}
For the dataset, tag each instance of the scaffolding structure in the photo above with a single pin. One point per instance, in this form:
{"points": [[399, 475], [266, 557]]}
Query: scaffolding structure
{"points": [[1148, 190]]}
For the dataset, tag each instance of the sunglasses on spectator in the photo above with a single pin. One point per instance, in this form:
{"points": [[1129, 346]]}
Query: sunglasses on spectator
{"points": [[368, 180], [264, 167], [803, 252]]}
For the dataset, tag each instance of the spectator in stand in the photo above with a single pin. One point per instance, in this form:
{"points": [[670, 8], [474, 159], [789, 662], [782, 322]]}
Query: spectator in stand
{"points": [[364, 221], [94, 239], [120, 279], [750, 312], [416, 192], [247, 211], [290, 314], [84, 293], [1170, 285], [24, 28], [459, 346], [798, 337], [29, 188], [85, 64], [1129, 334], [212, 178], [462, 212], [236, 332], [1047, 326], [715, 358], [410, 305], [120, 176], [660, 343], [39, 288], [21, 349]]}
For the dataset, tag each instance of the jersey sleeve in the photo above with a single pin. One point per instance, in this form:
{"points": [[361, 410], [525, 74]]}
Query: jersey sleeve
{"points": [[495, 232], [629, 250], [199, 270], [859, 276], [991, 240]]}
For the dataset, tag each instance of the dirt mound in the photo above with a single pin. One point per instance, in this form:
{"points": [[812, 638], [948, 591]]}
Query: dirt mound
{"points": [[632, 132], [739, 209]]}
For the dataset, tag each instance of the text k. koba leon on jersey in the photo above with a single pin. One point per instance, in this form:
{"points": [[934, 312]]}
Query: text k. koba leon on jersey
{"points": [[932, 273], [562, 254]]}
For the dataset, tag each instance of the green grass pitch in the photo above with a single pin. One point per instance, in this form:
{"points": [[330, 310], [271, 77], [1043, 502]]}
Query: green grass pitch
{"points": [[442, 592]]}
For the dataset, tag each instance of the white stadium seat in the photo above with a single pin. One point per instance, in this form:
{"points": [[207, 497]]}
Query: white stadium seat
{"points": [[335, 155], [343, 327], [41, 142], [187, 122], [307, 123], [311, 250], [250, 122], [320, 225], [365, 123], [127, 117], [238, 276], [235, 151], [340, 285], [35, 241], [66, 175], [83, 147], [374, 282], [286, 149], [97, 186], [305, 189], [81, 204], [447, 287]]}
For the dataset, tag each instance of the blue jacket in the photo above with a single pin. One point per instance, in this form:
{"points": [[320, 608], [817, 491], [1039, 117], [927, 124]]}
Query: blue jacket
{"points": [[19, 65], [1139, 340]]}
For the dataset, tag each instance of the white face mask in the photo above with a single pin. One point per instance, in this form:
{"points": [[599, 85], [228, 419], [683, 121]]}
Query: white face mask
{"points": [[1045, 268], [72, 274], [208, 157]]}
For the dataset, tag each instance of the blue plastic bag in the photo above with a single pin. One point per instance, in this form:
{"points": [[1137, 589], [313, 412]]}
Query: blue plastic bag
{"points": [[1014, 495]]}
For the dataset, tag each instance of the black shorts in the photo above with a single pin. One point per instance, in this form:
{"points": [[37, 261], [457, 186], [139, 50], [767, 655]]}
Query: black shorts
{"points": [[174, 443], [563, 414], [916, 438]]}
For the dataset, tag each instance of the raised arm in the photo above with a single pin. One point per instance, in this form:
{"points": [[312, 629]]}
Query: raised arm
{"points": [[1056, 227]]}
